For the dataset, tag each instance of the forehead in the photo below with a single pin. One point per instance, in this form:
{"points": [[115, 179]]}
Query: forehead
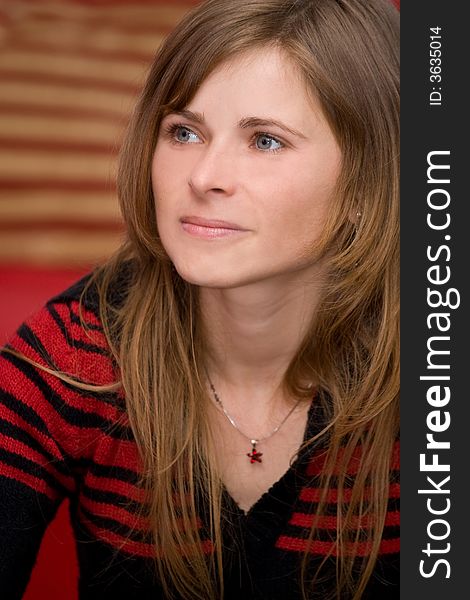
{"points": [[260, 81]]}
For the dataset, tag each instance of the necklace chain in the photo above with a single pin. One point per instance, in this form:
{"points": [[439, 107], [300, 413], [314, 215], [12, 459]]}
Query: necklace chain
{"points": [[254, 455]]}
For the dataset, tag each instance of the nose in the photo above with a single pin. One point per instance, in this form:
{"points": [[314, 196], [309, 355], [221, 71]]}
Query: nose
{"points": [[214, 172]]}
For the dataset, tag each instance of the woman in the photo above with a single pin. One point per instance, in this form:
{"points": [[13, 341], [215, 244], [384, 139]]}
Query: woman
{"points": [[220, 399]]}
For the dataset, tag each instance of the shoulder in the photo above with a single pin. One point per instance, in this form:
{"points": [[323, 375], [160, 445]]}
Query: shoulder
{"points": [[67, 333], [64, 338], [54, 412], [85, 290]]}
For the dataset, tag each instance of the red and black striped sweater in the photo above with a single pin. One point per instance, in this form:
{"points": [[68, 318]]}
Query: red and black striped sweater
{"points": [[57, 442]]}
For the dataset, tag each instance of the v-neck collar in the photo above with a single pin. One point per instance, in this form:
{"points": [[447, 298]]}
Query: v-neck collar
{"points": [[249, 539], [280, 497]]}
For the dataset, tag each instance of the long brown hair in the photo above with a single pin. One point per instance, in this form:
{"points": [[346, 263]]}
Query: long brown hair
{"points": [[347, 53]]}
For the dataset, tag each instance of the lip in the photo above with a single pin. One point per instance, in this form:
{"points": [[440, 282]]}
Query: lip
{"points": [[210, 228], [211, 223]]}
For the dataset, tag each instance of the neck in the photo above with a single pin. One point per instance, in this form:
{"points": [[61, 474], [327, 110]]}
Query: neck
{"points": [[254, 331]]}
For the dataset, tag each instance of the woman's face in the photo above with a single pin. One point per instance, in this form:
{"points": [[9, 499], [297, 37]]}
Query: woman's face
{"points": [[243, 177]]}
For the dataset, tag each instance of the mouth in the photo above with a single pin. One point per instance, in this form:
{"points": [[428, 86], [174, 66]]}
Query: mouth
{"points": [[210, 228]]}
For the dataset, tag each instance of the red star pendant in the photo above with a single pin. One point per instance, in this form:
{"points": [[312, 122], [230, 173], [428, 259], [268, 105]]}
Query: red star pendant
{"points": [[254, 455]]}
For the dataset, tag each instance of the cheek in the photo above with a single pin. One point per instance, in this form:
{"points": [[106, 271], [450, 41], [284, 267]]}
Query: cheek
{"points": [[170, 177], [299, 210], [303, 205], [164, 181]]}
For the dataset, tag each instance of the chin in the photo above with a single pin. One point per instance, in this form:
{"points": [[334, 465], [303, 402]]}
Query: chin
{"points": [[209, 277], [210, 282]]}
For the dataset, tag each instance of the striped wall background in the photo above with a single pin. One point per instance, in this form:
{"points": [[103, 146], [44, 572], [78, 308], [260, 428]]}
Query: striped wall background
{"points": [[70, 71]]}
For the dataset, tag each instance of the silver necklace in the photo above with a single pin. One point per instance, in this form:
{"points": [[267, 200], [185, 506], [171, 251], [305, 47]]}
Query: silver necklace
{"points": [[254, 455]]}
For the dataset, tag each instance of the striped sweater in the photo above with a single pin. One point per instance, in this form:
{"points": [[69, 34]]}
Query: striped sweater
{"points": [[57, 442]]}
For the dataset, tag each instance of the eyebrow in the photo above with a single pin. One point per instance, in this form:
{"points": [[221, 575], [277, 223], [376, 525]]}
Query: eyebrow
{"points": [[245, 123]]}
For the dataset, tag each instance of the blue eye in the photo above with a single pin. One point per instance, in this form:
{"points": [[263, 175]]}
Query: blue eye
{"points": [[267, 142], [180, 134], [183, 134]]}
